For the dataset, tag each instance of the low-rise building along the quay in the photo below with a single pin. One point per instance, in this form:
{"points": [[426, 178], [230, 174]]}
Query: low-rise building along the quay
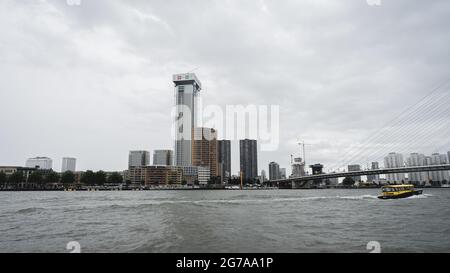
{"points": [[163, 175], [204, 175], [136, 175], [159, 175], [190, 175], [9, 170]]}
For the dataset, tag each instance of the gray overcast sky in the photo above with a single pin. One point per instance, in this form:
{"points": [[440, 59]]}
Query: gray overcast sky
{"points": [[94, 81]]}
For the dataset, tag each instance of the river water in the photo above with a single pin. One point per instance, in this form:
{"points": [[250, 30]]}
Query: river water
{"points": [[224, 221]]}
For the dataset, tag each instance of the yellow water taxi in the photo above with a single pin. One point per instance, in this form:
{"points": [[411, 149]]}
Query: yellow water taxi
{"points": [[398, 191]]}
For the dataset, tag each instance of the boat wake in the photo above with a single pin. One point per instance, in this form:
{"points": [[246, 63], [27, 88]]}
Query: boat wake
{"points": [[29, 210], [422, 196], [249, 201], [360, 197], [212, 202]]}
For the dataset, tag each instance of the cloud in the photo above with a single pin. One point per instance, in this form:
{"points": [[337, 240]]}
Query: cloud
{"points": [[94, 81]]}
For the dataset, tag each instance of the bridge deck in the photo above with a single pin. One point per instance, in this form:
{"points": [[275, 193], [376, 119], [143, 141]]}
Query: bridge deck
{"points": [[367, 172]]}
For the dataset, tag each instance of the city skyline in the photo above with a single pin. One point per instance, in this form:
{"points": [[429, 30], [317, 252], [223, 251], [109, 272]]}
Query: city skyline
{"points": [[108, 87]]}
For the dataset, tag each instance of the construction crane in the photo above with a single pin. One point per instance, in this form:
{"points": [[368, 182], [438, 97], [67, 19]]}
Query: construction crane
{"points": [[192, 70], [303, 144]]}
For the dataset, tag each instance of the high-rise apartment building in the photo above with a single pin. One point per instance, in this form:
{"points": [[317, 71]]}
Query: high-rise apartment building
{"points": [[375, 177], [138, 159], [263, 176], [248, 150], [394, 160], [187, 90], [355, 168], [205, 150], [42, 163], [224, 158], [417, 160], [438, 176], [283, 173], [69, 164], [163, 157], [274, 171]]}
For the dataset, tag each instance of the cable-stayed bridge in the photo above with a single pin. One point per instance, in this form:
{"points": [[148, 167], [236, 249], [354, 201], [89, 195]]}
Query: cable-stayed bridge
{"points": [[423, 127], [299, 181]]}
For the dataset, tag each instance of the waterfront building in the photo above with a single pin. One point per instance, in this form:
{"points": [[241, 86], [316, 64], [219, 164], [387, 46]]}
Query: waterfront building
{"points": [[78, 176], [298, 168], [187, 90], [138, 159], [248, 158], [382, 181], [355, 168], [136, 175], [204, 175], [332, 181], [163, 157], [68, 164], [417, 160], [42, 163], [374, 178], [263, 176], [439, 176], [190, 175], [205, 150], [224, 158], [274, 171], [283, 173], [394, 160], [163, 175], [9, 170], [317, 169]]}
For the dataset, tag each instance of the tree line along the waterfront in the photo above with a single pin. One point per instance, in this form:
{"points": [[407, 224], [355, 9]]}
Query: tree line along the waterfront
{"points": [[45, 178]]}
